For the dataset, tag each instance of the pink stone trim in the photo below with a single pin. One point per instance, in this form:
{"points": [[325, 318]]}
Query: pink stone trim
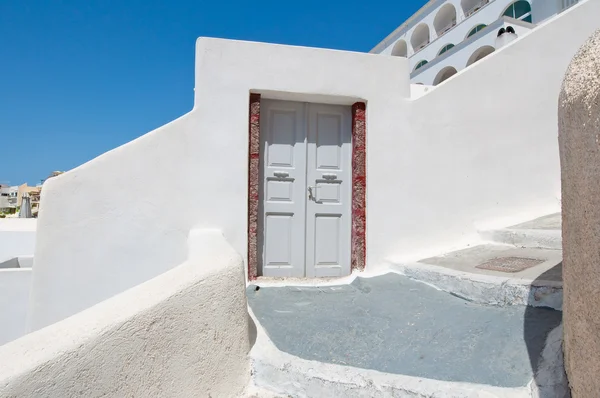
{"points": [[359, 187], [253, 184]]}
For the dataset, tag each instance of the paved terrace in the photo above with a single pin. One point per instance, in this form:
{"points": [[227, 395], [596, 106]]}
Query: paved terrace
{"points": [[393, 324]]}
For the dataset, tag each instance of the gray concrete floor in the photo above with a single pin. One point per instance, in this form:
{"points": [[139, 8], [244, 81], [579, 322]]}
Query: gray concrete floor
{"points": [[393, 324]]}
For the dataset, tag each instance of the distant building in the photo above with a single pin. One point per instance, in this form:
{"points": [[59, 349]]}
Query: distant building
{"points": [[8, 199], [11, 197], [446, 36]]}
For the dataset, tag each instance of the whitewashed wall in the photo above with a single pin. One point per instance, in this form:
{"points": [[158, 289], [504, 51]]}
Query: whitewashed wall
{"points": [[183, 334], [90, 246], [17, 237], [15, 287]]}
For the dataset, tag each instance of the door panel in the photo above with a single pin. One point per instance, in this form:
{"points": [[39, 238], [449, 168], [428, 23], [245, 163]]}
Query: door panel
{"points": [[305, 196], [282, 194], [328, 224]]}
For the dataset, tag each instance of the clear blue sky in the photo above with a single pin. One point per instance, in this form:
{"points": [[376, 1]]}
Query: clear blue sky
{"points": [[80, 77]]}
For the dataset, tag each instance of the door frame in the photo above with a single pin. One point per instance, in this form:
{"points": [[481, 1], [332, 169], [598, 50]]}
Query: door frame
{"points": [[358, 191]]}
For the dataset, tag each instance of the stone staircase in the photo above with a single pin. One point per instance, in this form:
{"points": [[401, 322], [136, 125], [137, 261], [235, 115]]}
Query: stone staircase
{"points": [[478, 322]]}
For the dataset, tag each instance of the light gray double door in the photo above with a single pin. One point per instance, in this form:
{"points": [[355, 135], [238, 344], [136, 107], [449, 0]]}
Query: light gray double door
{"points": [[305, 194]]}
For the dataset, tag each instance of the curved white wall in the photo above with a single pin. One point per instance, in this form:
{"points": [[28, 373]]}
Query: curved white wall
{"points": [[183, 334], [93, 243]]}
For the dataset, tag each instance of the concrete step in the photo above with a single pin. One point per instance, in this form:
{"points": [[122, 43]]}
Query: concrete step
{"points": [[392, 336], [544, 232], [494, 275]]}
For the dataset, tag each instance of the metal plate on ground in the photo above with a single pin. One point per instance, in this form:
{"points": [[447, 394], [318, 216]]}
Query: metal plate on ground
{"points": [[509, 264]]}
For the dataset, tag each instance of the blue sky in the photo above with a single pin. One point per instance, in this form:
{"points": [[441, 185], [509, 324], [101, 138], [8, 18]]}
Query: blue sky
{"points": [[80, 77]]}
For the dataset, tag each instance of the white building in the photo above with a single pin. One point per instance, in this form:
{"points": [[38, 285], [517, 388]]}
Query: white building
{"points": [[446, 36], [8, 198], [297, 162]]}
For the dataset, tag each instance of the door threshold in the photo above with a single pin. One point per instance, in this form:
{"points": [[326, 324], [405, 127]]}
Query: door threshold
{"points": [[305, 281]]}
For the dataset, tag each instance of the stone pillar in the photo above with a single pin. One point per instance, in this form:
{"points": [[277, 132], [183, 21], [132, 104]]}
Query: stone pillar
{"points": [[579, 143]]}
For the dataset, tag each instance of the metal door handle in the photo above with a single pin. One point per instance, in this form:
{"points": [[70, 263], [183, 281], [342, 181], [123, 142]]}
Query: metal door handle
{"points": [[311, 195]]}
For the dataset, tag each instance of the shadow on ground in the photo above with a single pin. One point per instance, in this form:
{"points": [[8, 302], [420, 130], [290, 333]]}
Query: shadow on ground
{"points": [[549, 378]]}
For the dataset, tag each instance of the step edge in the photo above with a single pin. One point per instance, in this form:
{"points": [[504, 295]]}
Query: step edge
{"points": [[484, 289]]}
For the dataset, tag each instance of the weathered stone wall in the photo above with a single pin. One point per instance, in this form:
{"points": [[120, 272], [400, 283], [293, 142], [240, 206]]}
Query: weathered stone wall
{"points": [[579, 140]]}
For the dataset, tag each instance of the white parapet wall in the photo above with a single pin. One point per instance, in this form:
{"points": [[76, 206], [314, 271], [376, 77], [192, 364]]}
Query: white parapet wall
{"points": [[15, 287], [182, 334], [17, 237]]}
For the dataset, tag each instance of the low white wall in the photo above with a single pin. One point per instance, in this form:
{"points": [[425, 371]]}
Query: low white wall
{"points": [[182, 334], [419, 90], [17, 237], [15, 287], [480, 147], [92, 245]]}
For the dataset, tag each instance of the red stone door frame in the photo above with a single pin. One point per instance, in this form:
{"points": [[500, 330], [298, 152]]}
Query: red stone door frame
{"points": [[359, 185]]}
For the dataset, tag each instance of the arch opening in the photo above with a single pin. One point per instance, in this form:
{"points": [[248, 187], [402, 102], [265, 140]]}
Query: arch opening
{"points": [[445, 19], [446, 48], [470, 7], [400, 49], [444, 75], [420, 37], [479, 54], [519, 10], [476, 29], [420, 64]]}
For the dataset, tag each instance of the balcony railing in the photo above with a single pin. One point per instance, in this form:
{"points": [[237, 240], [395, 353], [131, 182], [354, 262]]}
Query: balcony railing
{"points": [[447, 27], [421, 46], [568, 3], [478, 6]]}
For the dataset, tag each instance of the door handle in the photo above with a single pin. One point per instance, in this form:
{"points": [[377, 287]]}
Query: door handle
{"points": [[311, 195]]}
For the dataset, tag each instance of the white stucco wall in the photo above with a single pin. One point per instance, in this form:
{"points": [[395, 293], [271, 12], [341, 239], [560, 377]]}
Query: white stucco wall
{"points": [[91, 246], [182, 334], [15, 286], [17, 237], [419, 90]]}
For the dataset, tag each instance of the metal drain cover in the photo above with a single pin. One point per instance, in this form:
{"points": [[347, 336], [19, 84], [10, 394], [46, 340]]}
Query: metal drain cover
{"points": [[510, 264]]}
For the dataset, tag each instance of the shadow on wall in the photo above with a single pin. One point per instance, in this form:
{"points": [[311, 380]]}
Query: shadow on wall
{"points": [[544, 344]]}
